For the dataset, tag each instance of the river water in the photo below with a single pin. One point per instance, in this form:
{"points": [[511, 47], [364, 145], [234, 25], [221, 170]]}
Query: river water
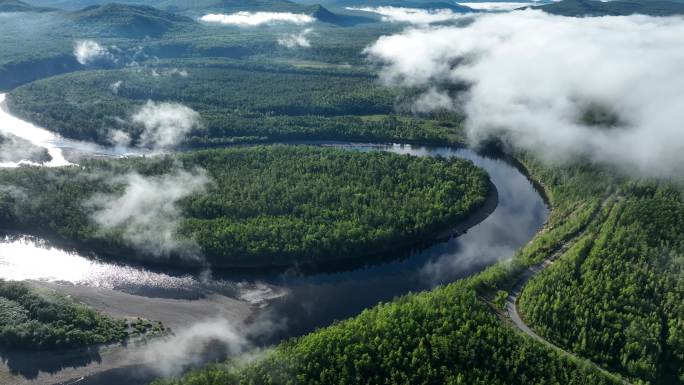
{"points": [[294, 300], [55, 145]]}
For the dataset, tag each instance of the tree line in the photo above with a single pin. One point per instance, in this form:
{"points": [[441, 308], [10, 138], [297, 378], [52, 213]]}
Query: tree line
{"points": [[268, 205]]}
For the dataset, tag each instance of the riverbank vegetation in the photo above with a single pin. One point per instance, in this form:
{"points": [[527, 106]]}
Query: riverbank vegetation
{"points": [[616, 296], [459, 334], [446, 336], [263, 105], [32, 319], [273, 205]]}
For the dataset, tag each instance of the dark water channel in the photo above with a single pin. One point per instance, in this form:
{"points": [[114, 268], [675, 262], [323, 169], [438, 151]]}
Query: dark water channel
{"points": [[305, 300]]}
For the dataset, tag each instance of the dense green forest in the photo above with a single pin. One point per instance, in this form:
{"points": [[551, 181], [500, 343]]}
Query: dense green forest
{"points": [[20, 6], [455, 334], [616, 297], [275, 205], [33, 319], [446, 336], [459, 334], [262, 105], [613, 297], [131, 21]]}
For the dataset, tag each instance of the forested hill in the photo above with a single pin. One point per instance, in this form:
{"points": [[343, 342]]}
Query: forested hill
{"points": [[230, 5], [263, 206], [264, 104], [419, 4], [132, 21], [579, 8], [618, 296], [20, 6], [182, 5]]}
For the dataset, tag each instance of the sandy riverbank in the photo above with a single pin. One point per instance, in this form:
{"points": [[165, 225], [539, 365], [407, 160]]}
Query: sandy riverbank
{"points": [[18, 368]]}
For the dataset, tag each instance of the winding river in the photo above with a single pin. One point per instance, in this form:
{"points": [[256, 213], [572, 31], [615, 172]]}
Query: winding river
{"points": [[269, 306]]}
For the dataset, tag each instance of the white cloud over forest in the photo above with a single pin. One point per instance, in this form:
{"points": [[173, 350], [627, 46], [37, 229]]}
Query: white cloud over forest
{"points": [[411, 15], [89, 51], [252, 19], [296, 40], [608, 89]]}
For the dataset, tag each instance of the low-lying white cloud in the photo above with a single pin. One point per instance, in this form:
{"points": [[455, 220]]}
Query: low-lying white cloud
{"points": [[190, 347], [114, 87], [252, 19], [411, 15], [211, 340], [605, 89], [119, 138], [165, 124], [296, 40], [89, 51], [14, 150], [496, 5], [145, 212]]}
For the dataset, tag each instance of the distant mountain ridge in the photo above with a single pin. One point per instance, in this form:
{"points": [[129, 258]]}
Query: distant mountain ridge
{"points": [[181, 5], [580, 8], [133, 21], [229, 5], [419, 4], [20, 6], [324, 15]]}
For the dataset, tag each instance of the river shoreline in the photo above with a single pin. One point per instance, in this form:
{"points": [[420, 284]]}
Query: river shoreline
{"points": [[299, 301], [331, 264]]}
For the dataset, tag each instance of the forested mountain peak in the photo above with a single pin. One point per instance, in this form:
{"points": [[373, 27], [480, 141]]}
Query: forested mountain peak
{"points": [[324, 15], [129, 20], [20, 6], [578, 8], [420, 4], [230, 5]]}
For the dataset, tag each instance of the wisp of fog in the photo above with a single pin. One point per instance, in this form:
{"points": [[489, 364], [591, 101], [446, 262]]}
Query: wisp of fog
{"points": [[410, 15], [89, 51], [252, 19], [145, 212], [296, 40], [605, 89], [165, 124]]}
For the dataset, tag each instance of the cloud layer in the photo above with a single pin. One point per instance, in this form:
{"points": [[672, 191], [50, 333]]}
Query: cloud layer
{"points": [[165, 124], [212, 340], [411, 15], [606, 89], [296, 40], [145, 212], [252, 19], [194, 346], [496, 5], [89, 51], [13, 150]]}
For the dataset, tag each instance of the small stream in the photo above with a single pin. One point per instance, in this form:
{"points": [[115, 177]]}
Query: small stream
{"points": [[297, 301]]}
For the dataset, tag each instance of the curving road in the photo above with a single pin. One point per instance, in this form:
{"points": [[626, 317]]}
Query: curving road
{"points": [[531, 272]]}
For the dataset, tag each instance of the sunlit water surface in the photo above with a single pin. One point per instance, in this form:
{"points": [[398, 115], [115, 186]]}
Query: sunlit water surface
{"points": [[313, 298], [55, 145]]}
